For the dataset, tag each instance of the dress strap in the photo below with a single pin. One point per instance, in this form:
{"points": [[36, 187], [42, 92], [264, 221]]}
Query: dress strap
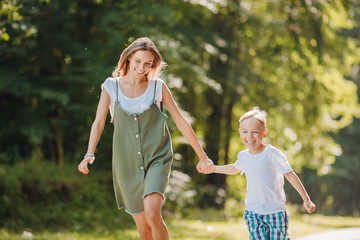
{"points": [[117, 90], [154, 91]]}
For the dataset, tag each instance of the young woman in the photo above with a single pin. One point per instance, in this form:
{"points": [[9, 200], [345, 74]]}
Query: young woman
{"points": [[142, 151]]}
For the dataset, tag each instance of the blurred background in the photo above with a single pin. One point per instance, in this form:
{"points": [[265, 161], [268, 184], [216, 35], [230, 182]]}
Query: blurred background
{"points": [[297, 59]]}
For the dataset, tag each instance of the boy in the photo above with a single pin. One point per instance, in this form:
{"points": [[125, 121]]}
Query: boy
{"points": [[264, 167]]}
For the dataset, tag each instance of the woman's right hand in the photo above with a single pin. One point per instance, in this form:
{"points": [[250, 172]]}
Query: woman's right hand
{"points": [[83, 166]]}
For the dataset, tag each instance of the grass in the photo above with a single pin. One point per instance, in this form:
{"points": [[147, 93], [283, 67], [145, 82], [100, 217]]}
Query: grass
{"points": [[195, 227]]}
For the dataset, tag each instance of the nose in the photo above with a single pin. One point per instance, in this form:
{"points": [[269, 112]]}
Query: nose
{"points": [[141, 67]]}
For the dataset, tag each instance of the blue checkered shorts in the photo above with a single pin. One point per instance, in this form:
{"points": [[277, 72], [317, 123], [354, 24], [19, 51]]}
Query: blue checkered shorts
{"points": [[267, 227]]}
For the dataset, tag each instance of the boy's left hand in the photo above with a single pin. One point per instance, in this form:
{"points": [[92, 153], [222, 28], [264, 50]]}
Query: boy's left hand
{"points": [[309, 206]]}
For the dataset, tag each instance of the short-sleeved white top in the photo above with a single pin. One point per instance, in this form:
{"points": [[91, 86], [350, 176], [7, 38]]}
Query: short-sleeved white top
{"points": [[265, 180], [133, 105]]}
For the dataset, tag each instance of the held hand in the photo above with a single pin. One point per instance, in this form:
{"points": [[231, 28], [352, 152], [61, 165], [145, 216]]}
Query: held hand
{"points": [[211, 169], [83, 166], [205, 166], [309, 206]]}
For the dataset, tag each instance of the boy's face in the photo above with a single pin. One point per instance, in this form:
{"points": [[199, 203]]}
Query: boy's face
{"points": [[252, 131]]}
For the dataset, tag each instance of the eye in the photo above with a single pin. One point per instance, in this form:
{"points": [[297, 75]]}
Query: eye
{"points": [[148, 64]]}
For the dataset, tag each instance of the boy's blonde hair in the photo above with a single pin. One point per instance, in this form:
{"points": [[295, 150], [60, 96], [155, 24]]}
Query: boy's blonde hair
{"points": [[256, 113]]}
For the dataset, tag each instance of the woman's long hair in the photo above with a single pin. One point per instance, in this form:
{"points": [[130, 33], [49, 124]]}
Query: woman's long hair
{"points": [[146, 44]]}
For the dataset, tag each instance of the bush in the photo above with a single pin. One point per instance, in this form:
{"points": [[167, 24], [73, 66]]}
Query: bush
{"points": [[38, 195], [179, 195]]}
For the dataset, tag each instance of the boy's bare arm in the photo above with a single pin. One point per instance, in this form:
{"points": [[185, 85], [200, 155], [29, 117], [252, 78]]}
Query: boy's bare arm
{"points": [[299, 187], [229, 169]]}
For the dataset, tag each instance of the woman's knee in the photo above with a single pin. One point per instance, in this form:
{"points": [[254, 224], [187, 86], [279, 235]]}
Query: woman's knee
{"points": [[153, 218], [153, 206]]}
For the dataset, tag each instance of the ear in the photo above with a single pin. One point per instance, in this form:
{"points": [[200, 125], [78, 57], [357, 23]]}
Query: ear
{"points": [[266, 132]]}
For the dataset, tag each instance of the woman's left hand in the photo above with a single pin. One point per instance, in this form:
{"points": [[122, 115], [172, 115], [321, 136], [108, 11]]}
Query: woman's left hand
{"points": [[205, 166]]}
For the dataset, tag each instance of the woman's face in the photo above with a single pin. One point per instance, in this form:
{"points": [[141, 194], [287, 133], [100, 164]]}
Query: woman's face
{"points": [[141, 63]]}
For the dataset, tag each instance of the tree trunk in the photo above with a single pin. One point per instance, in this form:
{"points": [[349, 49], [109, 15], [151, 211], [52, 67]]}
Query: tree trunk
{"points": [[59, 145], [228, 129]]}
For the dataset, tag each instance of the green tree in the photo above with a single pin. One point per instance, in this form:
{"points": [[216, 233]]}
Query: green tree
{"points": [[49, 72], [345, 170]]}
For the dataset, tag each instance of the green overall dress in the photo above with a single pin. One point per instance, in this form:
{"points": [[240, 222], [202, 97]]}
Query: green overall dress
{"points": [[142, 155]]}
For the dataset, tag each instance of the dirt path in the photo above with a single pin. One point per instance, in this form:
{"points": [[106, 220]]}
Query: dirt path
{"points": [[336, 234]]}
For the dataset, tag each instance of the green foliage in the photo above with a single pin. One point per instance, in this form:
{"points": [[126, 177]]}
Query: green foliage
{"points": [[36, 195], [45, 74], [179, 195], [345, 171]]}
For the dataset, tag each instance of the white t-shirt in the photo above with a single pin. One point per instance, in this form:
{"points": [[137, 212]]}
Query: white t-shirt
{"points": [[265, 180], [133, 105]]}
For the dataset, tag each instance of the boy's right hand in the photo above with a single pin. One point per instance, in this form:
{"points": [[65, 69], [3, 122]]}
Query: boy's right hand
{"points": [[309, 206]]}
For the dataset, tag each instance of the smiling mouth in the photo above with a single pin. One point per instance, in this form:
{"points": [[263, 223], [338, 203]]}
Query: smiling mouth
{"points": [[140, 72], [250, 142]]}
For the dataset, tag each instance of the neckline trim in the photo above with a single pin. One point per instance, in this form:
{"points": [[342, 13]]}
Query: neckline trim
{"points": [[258, 154], [129, 98]]}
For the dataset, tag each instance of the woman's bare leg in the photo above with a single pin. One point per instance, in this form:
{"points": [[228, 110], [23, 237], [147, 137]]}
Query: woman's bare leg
{"points": [[153, 205], [142, 226]]}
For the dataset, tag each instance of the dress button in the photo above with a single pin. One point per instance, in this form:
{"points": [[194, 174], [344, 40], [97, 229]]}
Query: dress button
{"points": [[137, 135], [135, 119], [141, 168], [139, 153]]}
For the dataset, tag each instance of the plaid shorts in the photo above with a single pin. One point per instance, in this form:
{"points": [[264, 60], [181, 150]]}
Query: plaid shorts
{"points": [[267, 227]]}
